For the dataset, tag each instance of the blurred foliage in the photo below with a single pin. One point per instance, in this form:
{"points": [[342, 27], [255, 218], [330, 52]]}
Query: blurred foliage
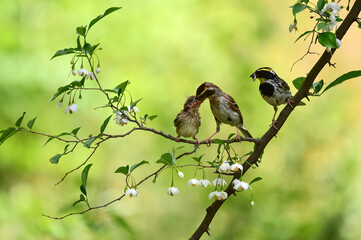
{"points": [[310, 187]]}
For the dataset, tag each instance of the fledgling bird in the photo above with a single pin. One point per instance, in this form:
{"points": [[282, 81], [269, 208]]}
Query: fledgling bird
{"points": [[188, 121], [273, 89], [224, 108]]}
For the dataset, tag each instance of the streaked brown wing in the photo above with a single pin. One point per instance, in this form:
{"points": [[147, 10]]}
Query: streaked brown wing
{"points": [[234, 107]]}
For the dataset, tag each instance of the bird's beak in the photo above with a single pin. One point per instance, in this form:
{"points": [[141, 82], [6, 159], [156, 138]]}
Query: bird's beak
{"points": [[253, 76]]}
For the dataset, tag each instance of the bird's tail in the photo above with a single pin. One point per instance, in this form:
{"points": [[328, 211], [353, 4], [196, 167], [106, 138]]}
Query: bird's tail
{"points": [[244, 131]]}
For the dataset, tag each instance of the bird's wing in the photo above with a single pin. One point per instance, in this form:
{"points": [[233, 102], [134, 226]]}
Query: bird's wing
{"points": [[234, 107], [284, 85]]}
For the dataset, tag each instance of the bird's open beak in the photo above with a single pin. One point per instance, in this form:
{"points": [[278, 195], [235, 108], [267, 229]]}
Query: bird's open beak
{"points": [[253, 76]]}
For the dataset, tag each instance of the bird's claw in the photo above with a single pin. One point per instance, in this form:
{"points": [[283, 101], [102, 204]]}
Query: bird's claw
{"points": [[289, 102], [273, 125], [198, 143], [208, 142]]}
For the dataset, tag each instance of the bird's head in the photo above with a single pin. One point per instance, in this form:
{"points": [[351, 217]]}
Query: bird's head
{"points": [[263, 73], [192, 102], [205, 90]]}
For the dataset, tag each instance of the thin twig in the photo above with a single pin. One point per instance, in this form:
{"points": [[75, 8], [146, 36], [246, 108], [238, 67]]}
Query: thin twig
{"points": [[119, 198]]}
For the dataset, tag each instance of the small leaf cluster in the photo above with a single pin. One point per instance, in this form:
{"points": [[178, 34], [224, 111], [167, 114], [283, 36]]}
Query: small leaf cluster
{"points": [[11, 131], [326, 15], [318, 86]]}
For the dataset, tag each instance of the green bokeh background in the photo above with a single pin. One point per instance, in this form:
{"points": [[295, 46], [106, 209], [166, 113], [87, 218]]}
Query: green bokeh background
{"points": [[311, 171]]}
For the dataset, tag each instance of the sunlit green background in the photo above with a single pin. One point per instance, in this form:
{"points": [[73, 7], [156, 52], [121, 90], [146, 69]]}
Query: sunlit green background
{"points": [[311, 172]]}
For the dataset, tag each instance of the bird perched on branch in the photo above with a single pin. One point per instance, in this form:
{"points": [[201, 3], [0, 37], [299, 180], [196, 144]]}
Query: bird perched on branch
{"points": [[224, 108], [188, 121], [273, 89]]}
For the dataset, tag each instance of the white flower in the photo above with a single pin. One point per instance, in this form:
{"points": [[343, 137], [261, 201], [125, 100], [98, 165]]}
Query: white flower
{"points": [[252, 203], [224, 168], [219, 182], [72, 108], [338, 43], [74, 72], [121, 118], [240, 185], [236, 166], [330, 26], [173, 191], [204, 182], [180, 175], [91, 75], [334, 7], [193, 182], [133, 109], [59, 104], [331, 6], [292, 27], [83, 72], [97, 70], [132, 192], [218, 195]]}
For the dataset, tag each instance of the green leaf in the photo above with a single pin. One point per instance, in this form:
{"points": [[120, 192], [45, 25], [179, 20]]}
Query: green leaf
{"points": [[198, 159], [121, 87], [84, 178], [298, 7], [132, 168], [82, 199], [321, 4], [77, 83], [105, 123], [88, 143], [317, 86], [327, 39], [66, 148], [298, 82], [60, 91], [75, 131], [56, 158], [7, 133], [167, 159], [31, 123], [78, 44], [152, 117], [63, 52], [123, 170], [108, 11], [255, 180], [303, 34], [81, 31], [92, 49], [20, 120], [218, 141], [321, 25], [341, 79], [134, 103]]}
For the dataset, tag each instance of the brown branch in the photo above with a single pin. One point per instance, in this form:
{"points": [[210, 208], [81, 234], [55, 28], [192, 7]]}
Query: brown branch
{"points": [[266, 138]]}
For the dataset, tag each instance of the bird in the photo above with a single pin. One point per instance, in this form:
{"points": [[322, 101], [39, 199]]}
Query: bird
{"points": [[224, 108], [188, 121], [273, 89]]}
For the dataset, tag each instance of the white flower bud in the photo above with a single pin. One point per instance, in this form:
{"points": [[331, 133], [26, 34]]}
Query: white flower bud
{"points": [[180, 175]]}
